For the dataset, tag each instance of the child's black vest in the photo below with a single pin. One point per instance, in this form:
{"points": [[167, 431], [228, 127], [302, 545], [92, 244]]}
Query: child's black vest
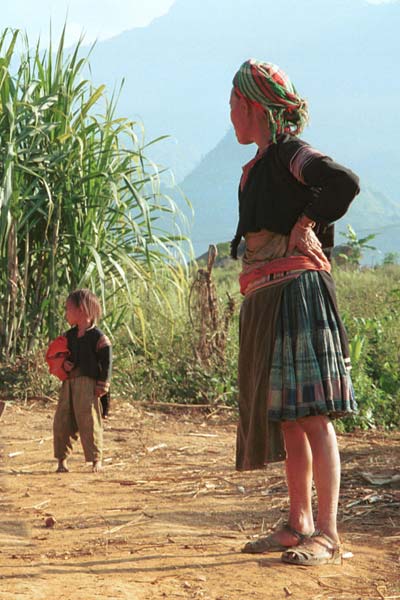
{"points": [[84, 353]]}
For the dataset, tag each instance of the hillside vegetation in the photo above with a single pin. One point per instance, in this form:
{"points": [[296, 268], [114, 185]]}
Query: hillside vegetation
{"points": [[169, 369]]}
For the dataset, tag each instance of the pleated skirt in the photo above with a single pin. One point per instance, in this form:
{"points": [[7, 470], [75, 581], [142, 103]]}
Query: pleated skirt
{"points": [[309, 373], [293, 363]]}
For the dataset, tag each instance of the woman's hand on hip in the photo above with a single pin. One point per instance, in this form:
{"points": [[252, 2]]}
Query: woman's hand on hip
{"points": [[304, 239]]}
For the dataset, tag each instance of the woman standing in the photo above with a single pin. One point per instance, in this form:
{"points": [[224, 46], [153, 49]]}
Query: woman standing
{"points": [[293, 360]]}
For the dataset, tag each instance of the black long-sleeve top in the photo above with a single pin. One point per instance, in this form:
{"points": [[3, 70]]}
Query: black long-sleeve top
{"points": [[290, 179], [91, 354]]}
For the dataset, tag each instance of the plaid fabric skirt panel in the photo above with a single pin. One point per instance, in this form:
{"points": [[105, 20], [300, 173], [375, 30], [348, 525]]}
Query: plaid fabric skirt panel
{"points": [[308, 373]]}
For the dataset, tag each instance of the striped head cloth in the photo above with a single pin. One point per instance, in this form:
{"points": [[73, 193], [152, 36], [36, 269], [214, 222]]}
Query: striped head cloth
{"points": [[267, 86]]}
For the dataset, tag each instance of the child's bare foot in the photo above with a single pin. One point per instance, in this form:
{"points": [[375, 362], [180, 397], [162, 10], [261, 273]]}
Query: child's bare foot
{"points": [[97, 466], [62, 467]]}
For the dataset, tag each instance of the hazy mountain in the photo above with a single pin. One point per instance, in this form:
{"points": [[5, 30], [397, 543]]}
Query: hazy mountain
{"points": [[342, 55], [212, 189]]}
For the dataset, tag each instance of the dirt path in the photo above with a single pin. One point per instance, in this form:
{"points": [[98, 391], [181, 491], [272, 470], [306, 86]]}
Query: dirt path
{"points": [[168, 515]]}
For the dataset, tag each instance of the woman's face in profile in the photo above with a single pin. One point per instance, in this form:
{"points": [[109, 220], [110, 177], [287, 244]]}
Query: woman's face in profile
{"points": [[240, 118]]}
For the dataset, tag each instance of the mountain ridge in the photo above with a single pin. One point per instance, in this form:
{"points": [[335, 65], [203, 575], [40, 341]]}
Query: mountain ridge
{"points": [[341, 54]]}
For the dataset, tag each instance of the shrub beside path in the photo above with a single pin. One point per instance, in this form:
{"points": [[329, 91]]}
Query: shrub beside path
{"points": [[168, 515]]}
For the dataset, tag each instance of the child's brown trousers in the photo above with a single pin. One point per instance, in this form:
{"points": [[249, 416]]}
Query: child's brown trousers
{"points": [[78, 411]]}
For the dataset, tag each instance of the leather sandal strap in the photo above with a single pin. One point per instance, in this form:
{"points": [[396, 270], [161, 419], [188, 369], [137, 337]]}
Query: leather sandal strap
{"points": [[297, 534], [319, 533]]}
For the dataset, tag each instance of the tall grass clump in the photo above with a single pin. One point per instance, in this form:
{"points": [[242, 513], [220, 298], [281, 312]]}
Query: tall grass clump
{"points": [[79, 203], [168, 368]]}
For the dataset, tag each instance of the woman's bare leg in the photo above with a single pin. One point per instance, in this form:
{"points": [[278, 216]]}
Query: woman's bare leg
{"points": [[299, 479], [326, 469]]}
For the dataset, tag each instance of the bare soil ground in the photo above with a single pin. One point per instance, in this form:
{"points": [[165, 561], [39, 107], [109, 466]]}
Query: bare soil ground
{"points": [[168, 515]]}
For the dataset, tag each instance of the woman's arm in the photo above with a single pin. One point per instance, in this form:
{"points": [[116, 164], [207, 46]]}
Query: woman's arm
{"points": [[335, 188], [333, 185]]}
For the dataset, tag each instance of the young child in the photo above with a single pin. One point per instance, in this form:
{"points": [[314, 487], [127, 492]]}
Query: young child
{"points": [[88, 369]]}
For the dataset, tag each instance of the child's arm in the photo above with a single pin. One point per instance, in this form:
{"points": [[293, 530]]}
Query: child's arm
{"points": [[104, 357]]}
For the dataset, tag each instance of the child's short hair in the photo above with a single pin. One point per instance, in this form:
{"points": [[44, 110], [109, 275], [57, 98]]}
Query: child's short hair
{"points": [[87, 301]]}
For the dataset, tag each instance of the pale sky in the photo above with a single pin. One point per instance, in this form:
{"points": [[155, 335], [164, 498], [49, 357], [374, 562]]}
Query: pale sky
{"points": [[97, 19]]}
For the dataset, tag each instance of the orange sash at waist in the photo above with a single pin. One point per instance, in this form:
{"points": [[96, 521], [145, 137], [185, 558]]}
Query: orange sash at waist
{"points": [[281, 265]]}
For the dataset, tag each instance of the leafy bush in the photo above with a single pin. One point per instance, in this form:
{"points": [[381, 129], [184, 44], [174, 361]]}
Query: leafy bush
{"points": [[26, 378], [169, 370], [370, 302]]}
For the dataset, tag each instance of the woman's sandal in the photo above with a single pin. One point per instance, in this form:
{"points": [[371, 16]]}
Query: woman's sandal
{"points": [[328, 554], [269, 544]]}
